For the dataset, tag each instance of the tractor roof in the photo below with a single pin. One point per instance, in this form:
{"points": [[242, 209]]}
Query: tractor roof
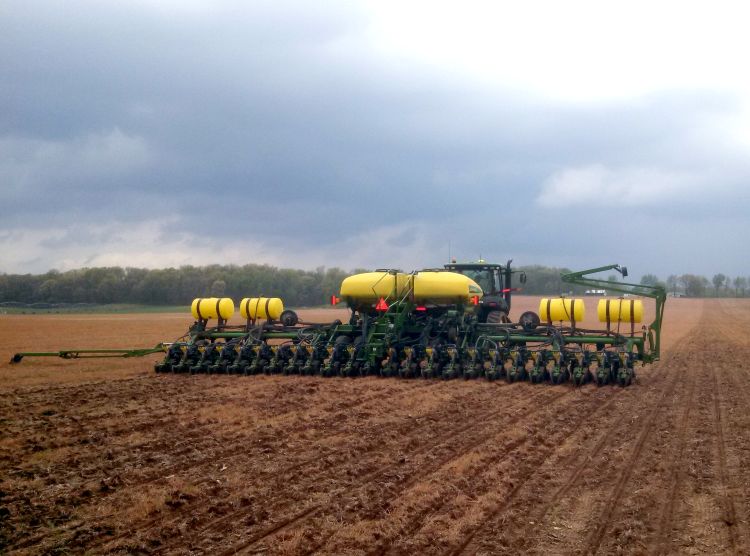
{"points": [[473, 266]]}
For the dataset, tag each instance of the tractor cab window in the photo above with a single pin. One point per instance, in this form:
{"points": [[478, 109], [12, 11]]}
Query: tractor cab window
{"points": [[485, 279]]}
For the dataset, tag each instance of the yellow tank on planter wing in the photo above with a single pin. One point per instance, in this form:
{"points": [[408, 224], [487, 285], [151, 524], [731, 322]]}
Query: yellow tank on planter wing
{"points": [[620, 310], [429, 287], [562, 309], [204, 308], [269, 308]]}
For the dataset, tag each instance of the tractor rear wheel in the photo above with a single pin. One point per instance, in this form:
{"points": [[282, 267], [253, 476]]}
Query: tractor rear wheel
{"points": [[495, 317]]}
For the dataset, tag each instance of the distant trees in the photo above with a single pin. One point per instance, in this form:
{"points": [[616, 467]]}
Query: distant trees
{"points": [[171, 286], [718, 280], [541, 280], [672, 281], [218, 288], [698, 286], [695, 286], [178, 286], [653, 281], [740, 285]]}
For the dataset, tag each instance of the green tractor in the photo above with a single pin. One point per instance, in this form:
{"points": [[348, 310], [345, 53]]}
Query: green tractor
{"points": [[495, 281]]}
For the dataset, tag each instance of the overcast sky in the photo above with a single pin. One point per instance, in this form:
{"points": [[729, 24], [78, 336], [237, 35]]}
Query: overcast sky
{"points": [[373, 134]]}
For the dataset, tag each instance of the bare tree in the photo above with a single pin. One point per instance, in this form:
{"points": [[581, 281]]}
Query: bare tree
{"points": [[719, 280], [695, 286], [740, 285], [218, 288], [672, 281]]}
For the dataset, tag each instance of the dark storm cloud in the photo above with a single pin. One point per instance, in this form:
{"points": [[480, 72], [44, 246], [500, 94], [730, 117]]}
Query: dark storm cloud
{"points": [[275, 123]]}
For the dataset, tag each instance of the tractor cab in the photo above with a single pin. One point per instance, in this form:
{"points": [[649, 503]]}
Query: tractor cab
{"points": [[495, 281]]}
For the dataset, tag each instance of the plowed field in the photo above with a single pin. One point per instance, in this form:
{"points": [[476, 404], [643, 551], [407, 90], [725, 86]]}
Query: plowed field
{"points": [[107, 456]]}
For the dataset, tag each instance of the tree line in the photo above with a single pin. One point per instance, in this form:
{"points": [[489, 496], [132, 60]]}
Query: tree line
{"points": [[172, 286], [693, 285], [300, 288]]}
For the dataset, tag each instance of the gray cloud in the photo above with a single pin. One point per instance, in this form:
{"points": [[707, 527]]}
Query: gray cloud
{"points": [[273, 133]]}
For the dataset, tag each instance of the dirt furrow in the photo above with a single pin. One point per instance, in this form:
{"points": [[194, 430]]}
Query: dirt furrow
{"points": [[727, 499], [427, 493], [283, 477], [730, 342], [194, 440], [484, 480], [417, 468], [597, 460], [662, 539], [240, 449], [197, 437], [611, 506], [581, 462], [734, 384], [237, 448], [586, 457]]}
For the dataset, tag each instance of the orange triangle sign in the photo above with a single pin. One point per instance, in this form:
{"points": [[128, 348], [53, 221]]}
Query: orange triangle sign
{"points": [[382, 305]]}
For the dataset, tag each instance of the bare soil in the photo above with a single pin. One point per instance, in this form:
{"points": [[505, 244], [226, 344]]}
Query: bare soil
{"points": [[105, 456]]}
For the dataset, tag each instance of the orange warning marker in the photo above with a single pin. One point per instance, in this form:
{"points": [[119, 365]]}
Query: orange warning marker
{"points": [[335, 300], [475, 300], [382, 305]]}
